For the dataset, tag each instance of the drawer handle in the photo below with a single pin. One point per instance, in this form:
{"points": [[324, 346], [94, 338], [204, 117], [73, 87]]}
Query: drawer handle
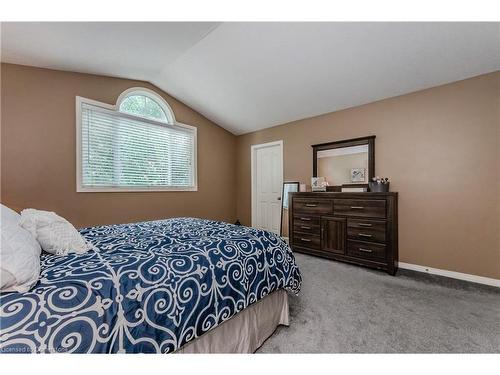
{"points": [[357, 207], [365, 250], [305, 219], [311, 205], [305, 240], [364, 225], [305, 227], [364, 235]]}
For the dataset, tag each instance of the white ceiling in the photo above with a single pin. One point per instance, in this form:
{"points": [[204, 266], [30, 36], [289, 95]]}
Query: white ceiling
{"points": [[250, 76]]}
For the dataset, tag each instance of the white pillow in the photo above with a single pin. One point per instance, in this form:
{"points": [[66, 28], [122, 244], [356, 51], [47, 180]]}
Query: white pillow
{"points": [[9, 216], [55, 234], [19, 254]]}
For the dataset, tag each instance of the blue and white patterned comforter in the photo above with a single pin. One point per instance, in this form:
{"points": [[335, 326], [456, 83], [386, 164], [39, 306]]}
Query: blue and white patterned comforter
{"points": [[150, 287]]}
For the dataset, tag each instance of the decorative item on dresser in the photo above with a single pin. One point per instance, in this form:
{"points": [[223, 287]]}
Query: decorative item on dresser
{"points": [[359, 228]]}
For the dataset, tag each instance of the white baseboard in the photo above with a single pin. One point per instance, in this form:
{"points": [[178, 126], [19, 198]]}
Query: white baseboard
{"points": [[452, 274]]}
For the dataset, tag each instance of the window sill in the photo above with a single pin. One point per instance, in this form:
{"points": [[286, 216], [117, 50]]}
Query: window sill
{"points": [[134, 189]]}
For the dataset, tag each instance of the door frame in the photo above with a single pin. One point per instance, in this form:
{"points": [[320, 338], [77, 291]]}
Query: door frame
{"points": [[253, 166]]}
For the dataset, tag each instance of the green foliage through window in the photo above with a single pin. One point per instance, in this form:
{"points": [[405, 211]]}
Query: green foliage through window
{"points": [[141, 105]]}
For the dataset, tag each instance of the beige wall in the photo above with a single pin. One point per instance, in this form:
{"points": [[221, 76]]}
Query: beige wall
{"points": [[440, 147], [38, 153]]}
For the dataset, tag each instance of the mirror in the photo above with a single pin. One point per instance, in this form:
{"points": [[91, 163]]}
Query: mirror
{"points": [[288, 187], [346, 165], [348, 162]]}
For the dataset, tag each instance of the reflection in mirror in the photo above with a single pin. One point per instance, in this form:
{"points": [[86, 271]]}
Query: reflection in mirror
{"points": [[344, 165], [288, 187]]}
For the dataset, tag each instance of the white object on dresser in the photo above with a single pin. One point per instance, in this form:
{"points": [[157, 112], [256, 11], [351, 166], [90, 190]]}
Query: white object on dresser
{"points": [[353, 189]]}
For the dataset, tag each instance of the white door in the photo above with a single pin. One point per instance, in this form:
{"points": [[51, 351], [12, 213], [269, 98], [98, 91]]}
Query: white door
{"points": [[267, 183]]}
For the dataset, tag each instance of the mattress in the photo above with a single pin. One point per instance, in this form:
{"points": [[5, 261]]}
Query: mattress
{"points": [[149, 287]]}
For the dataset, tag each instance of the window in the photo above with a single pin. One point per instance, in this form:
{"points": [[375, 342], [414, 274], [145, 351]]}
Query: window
{"points": [[135, 145], [142, 105]]}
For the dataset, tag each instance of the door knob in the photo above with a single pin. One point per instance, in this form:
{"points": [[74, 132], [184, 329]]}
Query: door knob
{"points": [[279, 198]]}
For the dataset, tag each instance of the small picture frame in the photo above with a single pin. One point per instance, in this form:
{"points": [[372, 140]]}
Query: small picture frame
{"points": [[318, 184], [358, 174]]}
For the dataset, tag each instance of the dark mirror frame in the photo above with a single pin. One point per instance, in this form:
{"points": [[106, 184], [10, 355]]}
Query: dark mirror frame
{"points": [[370, 141]]}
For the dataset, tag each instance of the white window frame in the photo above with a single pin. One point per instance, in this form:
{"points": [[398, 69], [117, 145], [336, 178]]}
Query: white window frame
{"points": [[109, 107]]}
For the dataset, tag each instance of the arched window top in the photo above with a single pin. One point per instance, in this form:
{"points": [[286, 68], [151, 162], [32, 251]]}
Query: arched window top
{"points": [[145, 103]]}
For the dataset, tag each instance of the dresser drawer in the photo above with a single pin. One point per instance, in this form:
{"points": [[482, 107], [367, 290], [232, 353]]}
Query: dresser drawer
{"points": [[299, 219], [306, 240], [366, 250], [360, 207], [313, 206], [306, 228], [367, 230]]}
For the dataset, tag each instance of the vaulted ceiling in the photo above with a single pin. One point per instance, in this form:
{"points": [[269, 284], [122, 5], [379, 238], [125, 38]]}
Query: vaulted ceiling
{"points": [[249, 76]]}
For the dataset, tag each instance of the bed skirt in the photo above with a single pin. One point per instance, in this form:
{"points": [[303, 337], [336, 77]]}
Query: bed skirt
{"points": [[246, 331]]}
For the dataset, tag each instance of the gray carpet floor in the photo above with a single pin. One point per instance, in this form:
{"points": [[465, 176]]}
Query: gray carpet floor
{"points": [[347, 309]]}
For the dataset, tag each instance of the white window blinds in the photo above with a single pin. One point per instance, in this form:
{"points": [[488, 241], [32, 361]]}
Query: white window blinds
{"points": [[122, 151]]}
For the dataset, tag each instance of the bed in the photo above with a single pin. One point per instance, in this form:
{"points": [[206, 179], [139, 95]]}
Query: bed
{"points": [[184, 284]]}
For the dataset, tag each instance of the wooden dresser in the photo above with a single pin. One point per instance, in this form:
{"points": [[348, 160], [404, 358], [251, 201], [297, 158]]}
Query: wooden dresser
{"points": [[360, 228]]}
